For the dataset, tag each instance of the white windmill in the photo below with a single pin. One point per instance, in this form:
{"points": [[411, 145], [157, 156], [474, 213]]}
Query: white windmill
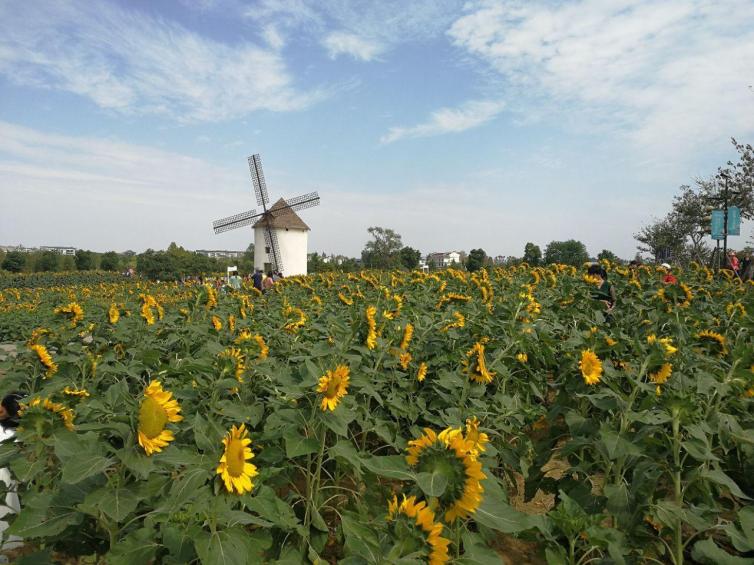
{"points": [[280, 235]]}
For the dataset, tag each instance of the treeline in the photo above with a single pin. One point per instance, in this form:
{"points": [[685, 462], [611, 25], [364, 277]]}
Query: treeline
{"points": [[52, 262], [176, 263], [683, 235]]}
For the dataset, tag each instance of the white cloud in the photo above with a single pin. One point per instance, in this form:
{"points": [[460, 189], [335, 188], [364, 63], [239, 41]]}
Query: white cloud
{"points": [[449, 120], [670, 75], [133, 63], [105, 194], [344, 43]]}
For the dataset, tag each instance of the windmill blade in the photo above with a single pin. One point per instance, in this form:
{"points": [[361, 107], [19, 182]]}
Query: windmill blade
{"points": [[271, 241], [294, 204], [237, 221], [257, 178]]}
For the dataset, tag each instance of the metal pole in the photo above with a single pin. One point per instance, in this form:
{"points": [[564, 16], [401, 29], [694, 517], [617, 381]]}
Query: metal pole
{"points": [[725, 221]]}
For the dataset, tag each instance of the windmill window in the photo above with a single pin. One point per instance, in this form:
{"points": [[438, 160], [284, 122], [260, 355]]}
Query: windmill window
{"points": [[267, 250]]}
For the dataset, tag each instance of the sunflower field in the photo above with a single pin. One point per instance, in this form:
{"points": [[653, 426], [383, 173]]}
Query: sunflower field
{"points": [[384, 417]]}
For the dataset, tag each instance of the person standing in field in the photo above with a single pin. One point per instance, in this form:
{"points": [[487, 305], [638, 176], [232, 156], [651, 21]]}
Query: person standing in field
{"points": [[604, 291], [734, 263], [257, 278], [669, 277], [746, 267], [268, 282], [234, 281], [9, 408]]}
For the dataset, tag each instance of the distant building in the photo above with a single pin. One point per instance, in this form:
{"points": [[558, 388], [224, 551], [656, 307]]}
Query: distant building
{"points": [[56, 249], [499, 260], [220, 253], [444, 259], [20, 248]]}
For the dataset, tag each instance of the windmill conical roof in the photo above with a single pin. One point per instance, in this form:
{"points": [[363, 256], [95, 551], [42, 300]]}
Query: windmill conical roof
{"points": [[289, 220]]}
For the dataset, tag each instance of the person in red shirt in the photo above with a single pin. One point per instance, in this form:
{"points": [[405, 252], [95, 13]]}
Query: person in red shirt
{"points": [[733, 262], [669, 278]]}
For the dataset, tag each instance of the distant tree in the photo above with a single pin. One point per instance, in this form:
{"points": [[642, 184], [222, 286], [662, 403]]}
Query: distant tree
{"points": [[84, 260], [47, 261], [315, 263], [662, 240], [410, 257], [14, 261], [383, 252], [608, 255], [476, 260], [246, 263], [109, 261], [532, 254], [569, 252]]}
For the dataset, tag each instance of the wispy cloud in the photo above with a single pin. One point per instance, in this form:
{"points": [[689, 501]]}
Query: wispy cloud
{"points": [[667, 74], [362, 29], [449, 120], [129, 62], [342, 43]]}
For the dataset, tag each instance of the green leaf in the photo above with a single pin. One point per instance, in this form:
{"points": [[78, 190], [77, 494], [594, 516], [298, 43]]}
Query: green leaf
{"points": [[185, 488], [137, 547], [227, 547], [743, 539], [136, 462], [720, 478], [707, 553], [297, 445], [39, 518], [270, 507], [344, 449], [476, 552], [77, 469], [617, 446], [117, 503], [390, 466], [432, 484], [496, 513], [359, 538]]}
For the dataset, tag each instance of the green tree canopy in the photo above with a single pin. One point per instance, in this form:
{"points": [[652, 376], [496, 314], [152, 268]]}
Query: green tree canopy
{"points": [[84, 260], [109, 261], [532, 254], [476, 260], [608, 255], [14, 261], [569, 252], [47, 261], [383, 252], [410, 257]]}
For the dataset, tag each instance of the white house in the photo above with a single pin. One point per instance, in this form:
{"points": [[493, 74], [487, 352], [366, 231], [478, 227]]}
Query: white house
{"points": [[292, 239], [444, 259]]}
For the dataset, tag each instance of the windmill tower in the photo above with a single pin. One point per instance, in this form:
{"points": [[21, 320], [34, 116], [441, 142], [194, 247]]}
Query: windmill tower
{"points": [[280, 235]]}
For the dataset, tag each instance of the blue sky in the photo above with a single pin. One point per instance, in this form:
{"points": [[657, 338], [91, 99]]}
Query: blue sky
{"points": [[126, 125]]}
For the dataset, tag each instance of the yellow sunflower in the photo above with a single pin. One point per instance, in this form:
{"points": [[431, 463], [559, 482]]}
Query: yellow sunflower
{"points": [[234, 468], [113, 313], [371, 312], [74, 311], [449, 453], [718, 341], [65, 414], [591, 367], [522, 358], [236, 357], [459, 322], [157, 409], [217, 323], [661, 376], [76, 392], [475, 440], [420, 515], [334, 386], [408, 333], [45, 358], [421, 374], [477, 365]]}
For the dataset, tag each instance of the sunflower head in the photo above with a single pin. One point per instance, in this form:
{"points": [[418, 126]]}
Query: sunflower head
{"points": [[591, 367], [44, 413], [234, 468], [454, 456], [414, 522], [715, 342], [157, 409], [333, 386]]}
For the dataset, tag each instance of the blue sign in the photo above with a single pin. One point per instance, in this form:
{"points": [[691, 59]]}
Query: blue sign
{"points": [[718, 220], [734, 220]]}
